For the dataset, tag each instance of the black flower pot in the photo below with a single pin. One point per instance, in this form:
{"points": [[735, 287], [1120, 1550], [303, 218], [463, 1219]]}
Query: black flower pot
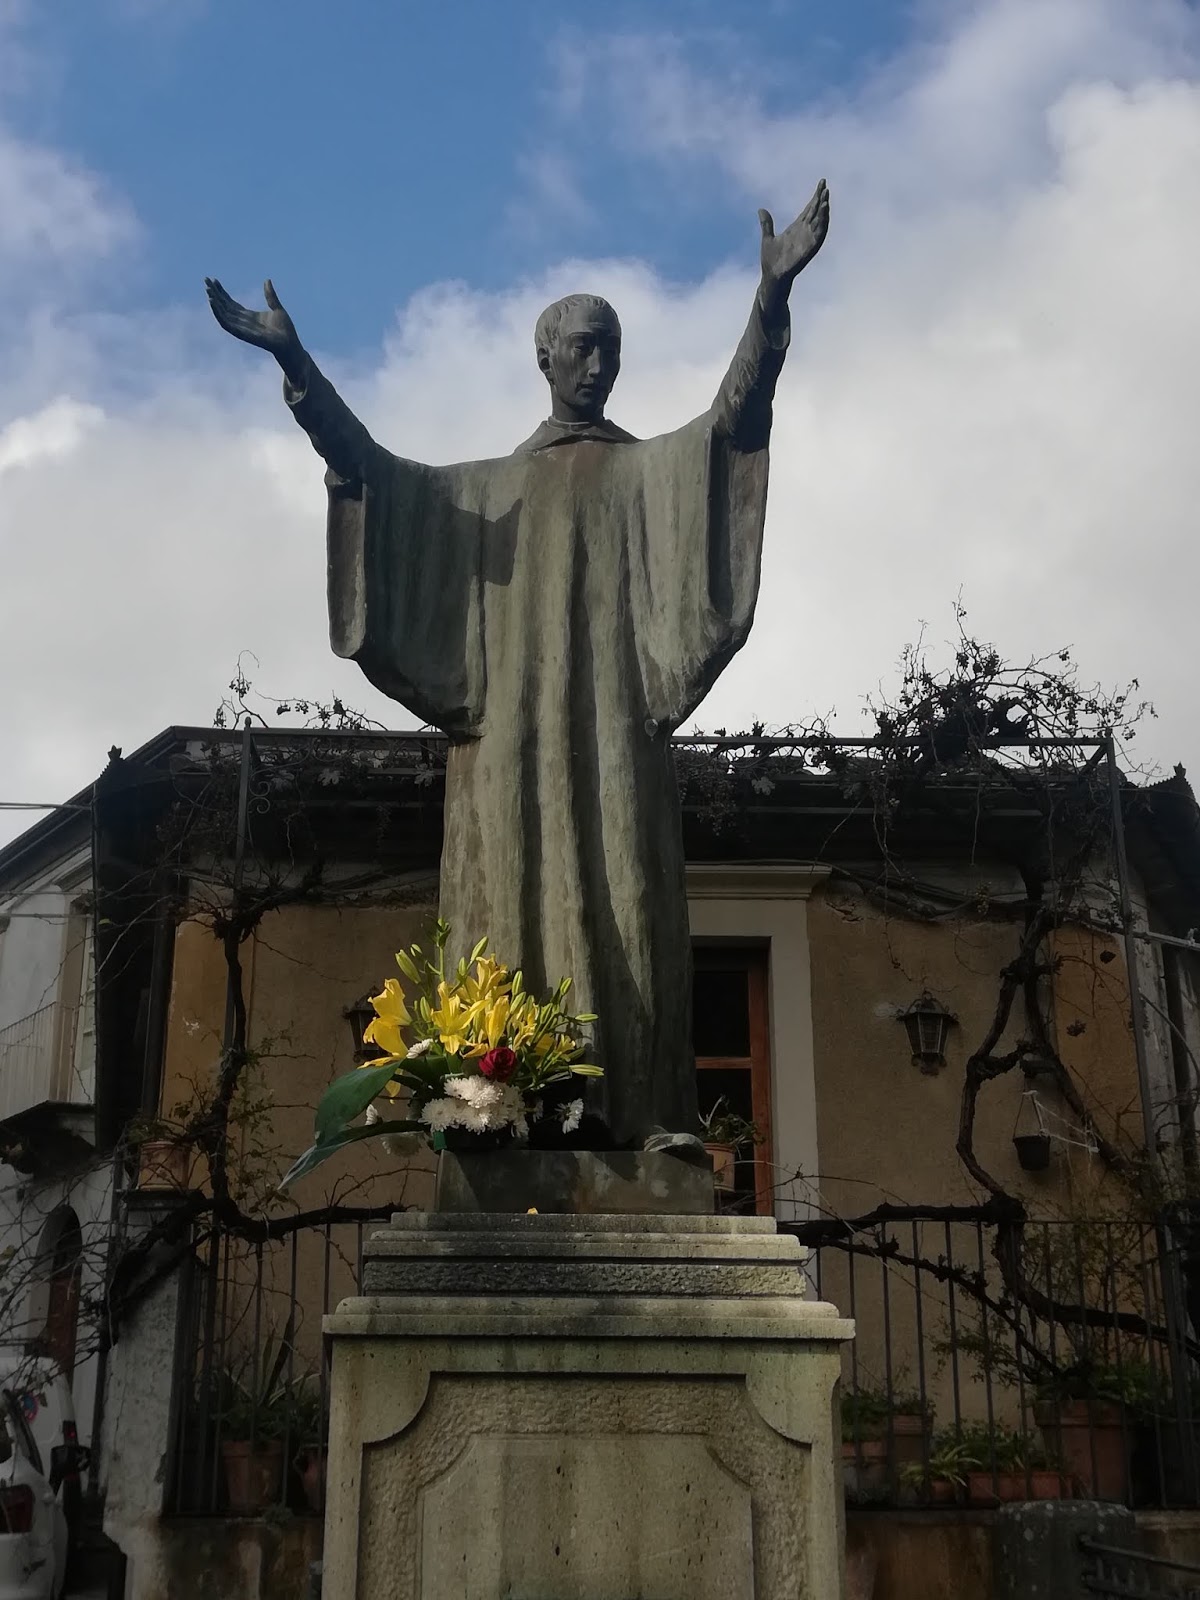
{"points": [[1033, 1151], [461, 1141]]}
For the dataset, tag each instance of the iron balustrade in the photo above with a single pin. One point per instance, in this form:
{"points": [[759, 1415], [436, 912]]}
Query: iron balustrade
{"points": [[967, 1385], [1133, 1575]]}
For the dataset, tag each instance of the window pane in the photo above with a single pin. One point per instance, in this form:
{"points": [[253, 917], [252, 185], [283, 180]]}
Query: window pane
{"points": [[721, 1011]]}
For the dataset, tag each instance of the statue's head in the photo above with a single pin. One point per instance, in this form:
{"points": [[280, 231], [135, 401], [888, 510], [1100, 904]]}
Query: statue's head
{"points": [[578, 343]]}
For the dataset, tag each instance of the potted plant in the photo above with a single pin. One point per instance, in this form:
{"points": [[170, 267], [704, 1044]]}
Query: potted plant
{"points": [[1086, 1417], [307, 1433], [481, 1061], [258, 1410], [1009, 1466], [725, 1133], [165, 1158], [942, 1480], [864, 1443], [908, 1427]]}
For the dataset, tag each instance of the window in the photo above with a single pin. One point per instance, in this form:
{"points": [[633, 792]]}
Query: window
{"points": [[82, 1087], [730, 1036]]}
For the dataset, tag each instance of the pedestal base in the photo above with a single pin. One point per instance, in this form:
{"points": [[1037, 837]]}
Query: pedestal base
{"points": [[584, 1408]]}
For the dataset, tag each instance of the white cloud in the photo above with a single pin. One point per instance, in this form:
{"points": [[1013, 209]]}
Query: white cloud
{"points": [[991, 386], [53, 211]]}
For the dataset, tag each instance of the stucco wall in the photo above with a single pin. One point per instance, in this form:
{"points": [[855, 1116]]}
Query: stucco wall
{"points": [[883, 1130], [304, 965], [887, 1131]]}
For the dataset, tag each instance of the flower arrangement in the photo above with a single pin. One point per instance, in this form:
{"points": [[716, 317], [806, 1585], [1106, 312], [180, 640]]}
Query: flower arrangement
{"points": [[472, 1051]]}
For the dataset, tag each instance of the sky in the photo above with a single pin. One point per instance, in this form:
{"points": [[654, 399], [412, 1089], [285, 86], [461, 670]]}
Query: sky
{"points": [[991, 393]]}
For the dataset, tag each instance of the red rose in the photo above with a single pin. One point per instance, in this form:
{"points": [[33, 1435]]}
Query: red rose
{"points": [[499, 1063]]}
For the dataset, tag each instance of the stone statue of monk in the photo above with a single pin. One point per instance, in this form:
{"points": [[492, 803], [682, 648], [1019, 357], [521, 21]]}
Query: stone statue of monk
{"points": [[559, 612]]}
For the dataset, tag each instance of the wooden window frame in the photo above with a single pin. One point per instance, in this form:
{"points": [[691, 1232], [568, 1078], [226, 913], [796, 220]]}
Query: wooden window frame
{"points": [[755, 959]]}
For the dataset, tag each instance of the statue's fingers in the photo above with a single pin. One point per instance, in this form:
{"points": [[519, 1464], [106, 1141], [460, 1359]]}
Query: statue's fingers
{"points": [[767, 224], [271, 297]]}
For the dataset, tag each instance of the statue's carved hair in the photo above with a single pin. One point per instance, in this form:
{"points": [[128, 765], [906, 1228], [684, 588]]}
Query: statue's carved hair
{"points": [[550, 319]]}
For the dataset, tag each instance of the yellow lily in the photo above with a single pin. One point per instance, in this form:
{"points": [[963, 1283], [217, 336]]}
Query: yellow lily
{"points": [[521, 1021], [452, 1019], [488, 981], [391, 1014]]}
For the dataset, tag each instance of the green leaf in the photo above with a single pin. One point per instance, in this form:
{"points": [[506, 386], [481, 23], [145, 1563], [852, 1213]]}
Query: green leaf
{"points": [[323, 1149], [586, 1071], [347, 1096]]}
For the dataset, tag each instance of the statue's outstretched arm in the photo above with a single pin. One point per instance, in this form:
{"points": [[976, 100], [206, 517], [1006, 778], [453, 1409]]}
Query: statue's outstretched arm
{"points": [[337, 434], [743, 404]]}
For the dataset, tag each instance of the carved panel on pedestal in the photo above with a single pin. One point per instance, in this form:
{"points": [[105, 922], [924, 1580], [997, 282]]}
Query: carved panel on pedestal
{"points": [[607, 1488]]}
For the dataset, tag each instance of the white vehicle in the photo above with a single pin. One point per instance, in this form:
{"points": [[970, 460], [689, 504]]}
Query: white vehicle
{"points": [[33, 1527]]}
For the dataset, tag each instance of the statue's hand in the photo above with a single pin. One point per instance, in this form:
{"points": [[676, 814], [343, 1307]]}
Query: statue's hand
{"points": [[790, 253], [271, 329]]}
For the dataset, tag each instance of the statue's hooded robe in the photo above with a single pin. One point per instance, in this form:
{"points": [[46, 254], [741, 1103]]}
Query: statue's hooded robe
{"points": [[559, 612]]}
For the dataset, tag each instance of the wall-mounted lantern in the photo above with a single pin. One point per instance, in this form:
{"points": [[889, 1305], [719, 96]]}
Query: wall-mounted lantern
{"points": [[359, 1015], [927, 1023]]}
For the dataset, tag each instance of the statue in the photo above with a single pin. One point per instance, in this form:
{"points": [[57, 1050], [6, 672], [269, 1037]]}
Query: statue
{"points": [[559, 613]]}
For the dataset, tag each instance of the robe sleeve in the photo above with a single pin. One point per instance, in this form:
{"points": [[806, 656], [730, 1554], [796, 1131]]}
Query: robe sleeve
{"points": [[404, 564], [704, 494]]}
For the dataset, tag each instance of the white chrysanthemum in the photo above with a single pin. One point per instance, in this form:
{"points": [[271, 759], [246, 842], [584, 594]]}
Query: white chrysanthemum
{"points": [[572, 1114], [476, 1091], [418, 1049], [473, 1119], [439, 1115]]}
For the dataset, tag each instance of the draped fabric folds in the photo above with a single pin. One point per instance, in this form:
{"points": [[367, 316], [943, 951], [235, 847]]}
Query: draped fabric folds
{"points": [[559, 612]]}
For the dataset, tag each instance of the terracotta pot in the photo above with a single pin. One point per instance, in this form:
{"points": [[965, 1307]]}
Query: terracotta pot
{"points": [[865, 1468], [1038, 1484], [253, 1475], [723, 1159], [164, 1164], [942, 1492], [312, 1478], [1093, 1446], [908, 1438], [985, 1490]]}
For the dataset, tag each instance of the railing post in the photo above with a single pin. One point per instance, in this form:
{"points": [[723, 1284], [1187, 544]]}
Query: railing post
{"points": [[144, 1394]]}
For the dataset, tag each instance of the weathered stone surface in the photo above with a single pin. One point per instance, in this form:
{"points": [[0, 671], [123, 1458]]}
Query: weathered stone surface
{"points": [[433, 1222], [578, 1182], [595, 1528], [413, 1276], [501, 1254], [1037, 1550], [763, 1317], [586, 1446]]}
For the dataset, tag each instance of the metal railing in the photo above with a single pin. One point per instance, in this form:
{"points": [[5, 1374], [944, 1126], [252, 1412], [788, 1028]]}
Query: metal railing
{"points": [[1133, 1575], [1034, 1364], [969, 1383], [252, 1381], [28, 1065]]}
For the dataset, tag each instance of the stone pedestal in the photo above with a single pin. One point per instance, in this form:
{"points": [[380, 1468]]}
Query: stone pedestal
{"points": [[536, 1407]]}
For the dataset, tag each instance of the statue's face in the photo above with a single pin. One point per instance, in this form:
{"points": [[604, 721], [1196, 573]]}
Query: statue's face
{"points": [[583, 361]]}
